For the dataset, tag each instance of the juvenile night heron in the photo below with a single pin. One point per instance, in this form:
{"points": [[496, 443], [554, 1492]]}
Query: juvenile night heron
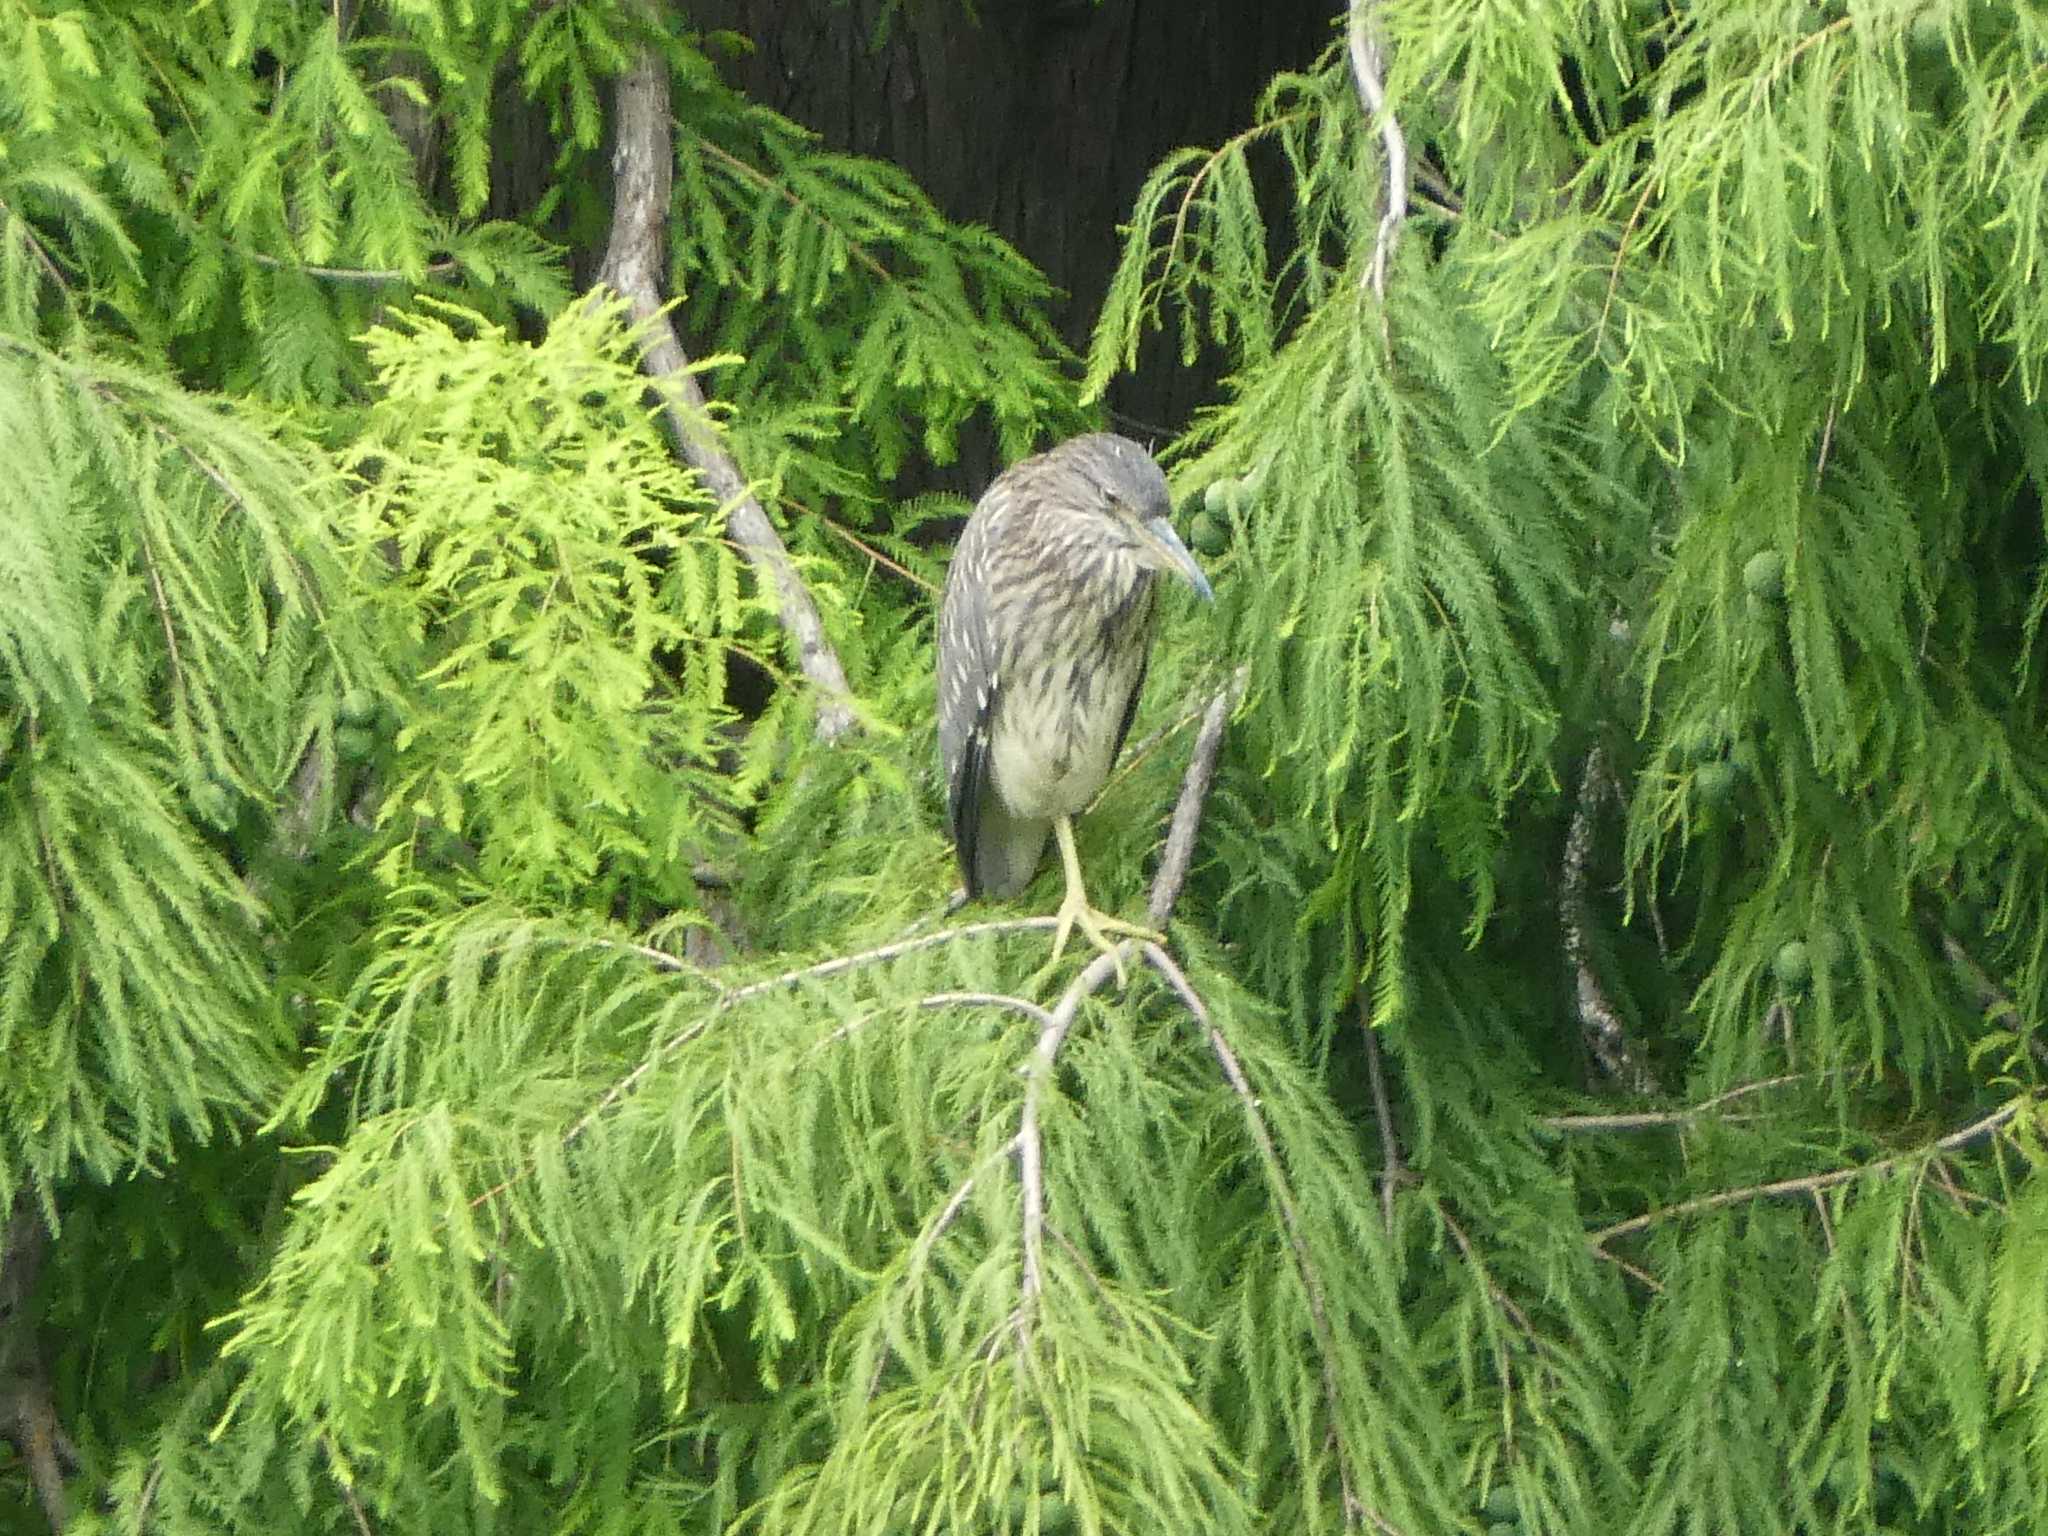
{"points": [[1043, 634]]}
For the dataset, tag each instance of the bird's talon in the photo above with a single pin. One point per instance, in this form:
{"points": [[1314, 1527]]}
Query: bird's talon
{"points": [[1097, 926]]}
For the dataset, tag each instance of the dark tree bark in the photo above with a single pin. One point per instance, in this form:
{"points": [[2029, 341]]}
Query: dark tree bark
{"points": [[28, 1417], [1038, 118]]}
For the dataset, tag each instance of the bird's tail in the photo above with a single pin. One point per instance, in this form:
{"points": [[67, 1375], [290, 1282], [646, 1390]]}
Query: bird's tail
{"points": [[1006, 850]]}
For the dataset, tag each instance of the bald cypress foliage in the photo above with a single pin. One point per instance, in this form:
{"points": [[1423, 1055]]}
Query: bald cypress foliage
{"points": [[482, 1065]]}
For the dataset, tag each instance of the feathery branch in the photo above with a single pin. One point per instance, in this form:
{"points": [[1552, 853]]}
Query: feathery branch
{"points": [[1283, 1198], [1779, 1188]]}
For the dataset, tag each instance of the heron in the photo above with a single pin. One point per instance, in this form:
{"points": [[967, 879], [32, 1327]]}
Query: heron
{"points": [[1044, 632]]}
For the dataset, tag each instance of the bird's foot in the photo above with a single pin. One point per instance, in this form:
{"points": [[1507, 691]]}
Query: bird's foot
{"points": [[1075, 912]]}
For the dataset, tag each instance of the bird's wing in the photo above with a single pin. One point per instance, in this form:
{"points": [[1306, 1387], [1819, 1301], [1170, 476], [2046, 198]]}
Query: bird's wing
{"points": [[1123, 728], [968, 689]]}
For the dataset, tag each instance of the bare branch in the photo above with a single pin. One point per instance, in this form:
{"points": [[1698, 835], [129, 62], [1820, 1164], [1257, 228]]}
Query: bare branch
{"points": [[1975, 1131], [1369, 74], [643, 165], [348, 1492]]}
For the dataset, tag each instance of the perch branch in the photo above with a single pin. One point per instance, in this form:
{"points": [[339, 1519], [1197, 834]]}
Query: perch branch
{"points": [[1369, 74], [643, 169], [1812, 1182]]}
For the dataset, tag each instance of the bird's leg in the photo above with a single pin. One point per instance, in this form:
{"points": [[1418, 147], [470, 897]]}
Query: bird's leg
{"points": [[1075, 911]]}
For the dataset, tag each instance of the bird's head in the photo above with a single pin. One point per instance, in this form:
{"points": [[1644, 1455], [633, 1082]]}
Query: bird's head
{"points": [[1117, 483]]}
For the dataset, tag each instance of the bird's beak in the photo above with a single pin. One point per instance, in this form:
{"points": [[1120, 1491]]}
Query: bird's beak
{"points": [[1174, 556]]}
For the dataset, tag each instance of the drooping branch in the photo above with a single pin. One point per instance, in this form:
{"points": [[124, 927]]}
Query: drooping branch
{"points": [[1355, 1508], [1030, 1145], [643, 173], [728, 997], [1369, 74]]}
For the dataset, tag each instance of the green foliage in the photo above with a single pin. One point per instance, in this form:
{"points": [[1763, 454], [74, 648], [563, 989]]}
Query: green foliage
{"points": [[166, 635], [1697, 428], [1637, 615], [565, 597]]}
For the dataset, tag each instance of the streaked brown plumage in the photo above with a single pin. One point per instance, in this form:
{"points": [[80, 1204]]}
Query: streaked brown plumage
{"points": [[1044, 630]]}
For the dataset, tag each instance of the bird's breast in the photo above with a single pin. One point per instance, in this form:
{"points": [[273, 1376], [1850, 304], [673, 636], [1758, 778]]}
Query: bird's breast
{"points": [[1067, 681]]}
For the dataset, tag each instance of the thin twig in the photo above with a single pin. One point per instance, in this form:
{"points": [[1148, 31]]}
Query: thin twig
{"points": [[1827, 437], [348, 1494], [1635, 1272], [1369, 74], [846, 535], [163, 615], [1987, 1126], [1033, 1011], [1505, 1305], [643, 173], [1391, 1169], [1652, 1119], [346, 274], [1628, 231], [36, 249]]}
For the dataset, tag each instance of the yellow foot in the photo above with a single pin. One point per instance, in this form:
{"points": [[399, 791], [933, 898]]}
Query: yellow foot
{"points": [[1098, 926]]}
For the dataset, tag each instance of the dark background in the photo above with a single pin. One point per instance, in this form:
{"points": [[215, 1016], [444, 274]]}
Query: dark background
{"points": [[1037, 118]]}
